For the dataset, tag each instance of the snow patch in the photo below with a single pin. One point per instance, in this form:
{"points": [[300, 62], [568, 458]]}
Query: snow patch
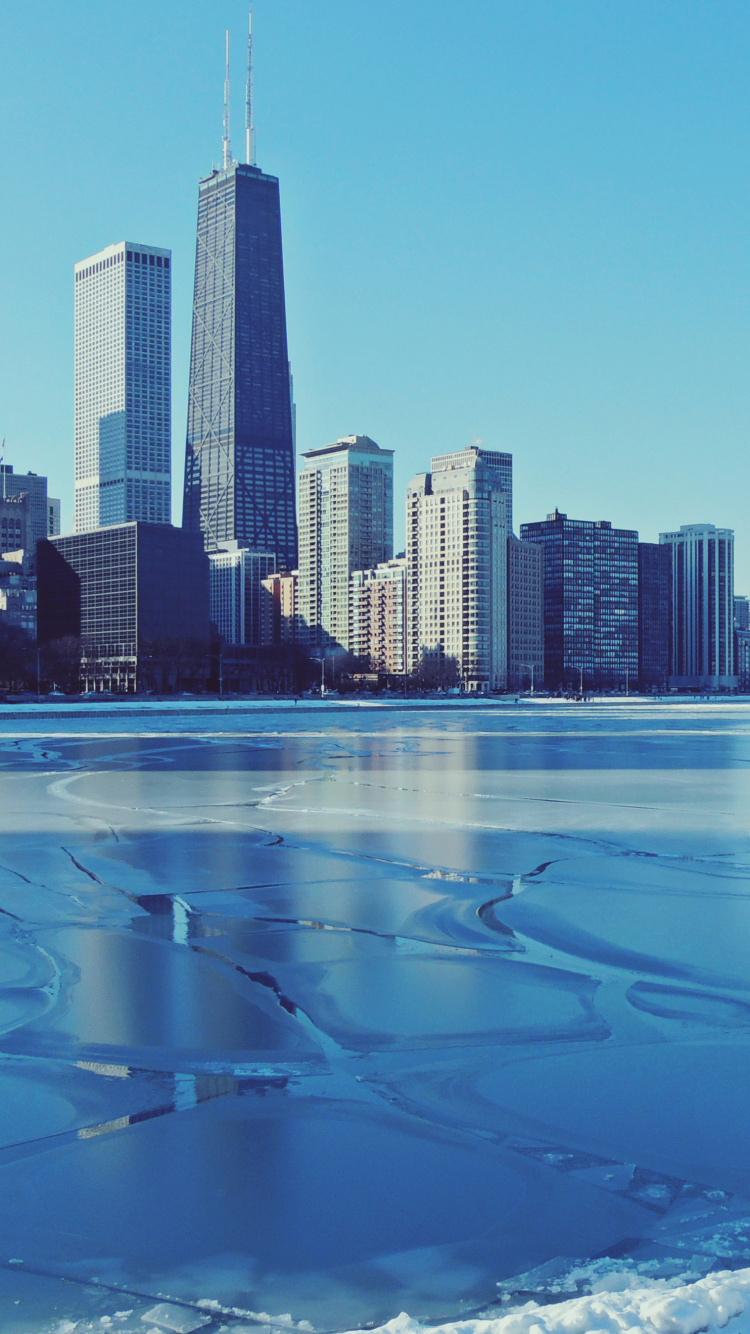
{"points": [[657, 1306]]}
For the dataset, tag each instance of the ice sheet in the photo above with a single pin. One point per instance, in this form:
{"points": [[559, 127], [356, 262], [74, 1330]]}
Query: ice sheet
{"points": [[339, 1012]]}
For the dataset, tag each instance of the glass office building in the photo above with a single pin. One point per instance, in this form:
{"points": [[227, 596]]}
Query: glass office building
{"points": [[654, 611], [122, 387], [131, 592], [702, 626], [590, 602], [236, 593], [239, 465]]}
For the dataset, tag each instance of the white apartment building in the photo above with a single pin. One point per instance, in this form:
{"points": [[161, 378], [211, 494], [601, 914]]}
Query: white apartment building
{"points": [[458, 519], [236, 575], [702, 621], [345, 524], [122, 387]]}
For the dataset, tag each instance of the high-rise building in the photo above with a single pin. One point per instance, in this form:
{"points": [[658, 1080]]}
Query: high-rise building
{"points": [[14, 521], [377, 617], [654, 604], [53, 517], [741, 612], [702, 633], [458, 520], [239, 463], [590, 602], [280, 619], [122, 387], [18, 590], [136, 595], [29, 484], [525, 615], [346, 524], [236, 594], [742, 659]]}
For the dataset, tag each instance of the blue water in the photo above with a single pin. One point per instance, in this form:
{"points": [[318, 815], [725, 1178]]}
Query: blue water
{"points": [[338, 1013]]}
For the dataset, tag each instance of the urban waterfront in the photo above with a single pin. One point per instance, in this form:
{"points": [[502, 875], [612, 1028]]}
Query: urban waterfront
{"points": [[337, 1012]]}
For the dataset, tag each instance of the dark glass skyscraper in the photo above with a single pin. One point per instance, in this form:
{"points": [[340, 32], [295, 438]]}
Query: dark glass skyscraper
{"points": [[654, 614], [239, 465], [590, 602]]}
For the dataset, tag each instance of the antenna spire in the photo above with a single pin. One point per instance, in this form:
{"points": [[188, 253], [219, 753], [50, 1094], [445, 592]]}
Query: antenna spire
{"points": [[227, 147], [249, 127]]}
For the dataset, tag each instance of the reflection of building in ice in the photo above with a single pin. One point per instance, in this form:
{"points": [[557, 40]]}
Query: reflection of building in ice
{"points": [[236, 593], [122, 386], [458, 519], [702, 634], [377, 617], [345, 524]]}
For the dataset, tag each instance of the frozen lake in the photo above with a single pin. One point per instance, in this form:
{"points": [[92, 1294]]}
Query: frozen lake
{"points": [[337, 1013]]}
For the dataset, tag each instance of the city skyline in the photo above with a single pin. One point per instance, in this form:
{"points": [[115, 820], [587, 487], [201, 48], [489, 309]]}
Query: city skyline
{"points": [[666, 258]]}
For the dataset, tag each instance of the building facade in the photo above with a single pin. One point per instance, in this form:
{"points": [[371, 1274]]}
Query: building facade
{"points": [[346, 524], [457, 526], [280, 617], [53, 517], [236, 594], [123, 387], [702, 624], [14, 522], [742, 659], [741, 612], [239, 463], [18, 590], [34, 488], [377, 617], [136, 595], [654, 614], [525, 615], [590, 602]]}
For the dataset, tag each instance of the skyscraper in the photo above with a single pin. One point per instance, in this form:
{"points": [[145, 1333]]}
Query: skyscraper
{"points": [[377, 617], [654, 608], [122, 387], [702, 621], [34, 487], [346, 524], [458, 519], [525, 614], [239, 463], [590, 602], [136, 595]]}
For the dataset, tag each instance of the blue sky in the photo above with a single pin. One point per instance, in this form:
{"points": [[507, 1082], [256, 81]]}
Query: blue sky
{"points": [[519, 222]]}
